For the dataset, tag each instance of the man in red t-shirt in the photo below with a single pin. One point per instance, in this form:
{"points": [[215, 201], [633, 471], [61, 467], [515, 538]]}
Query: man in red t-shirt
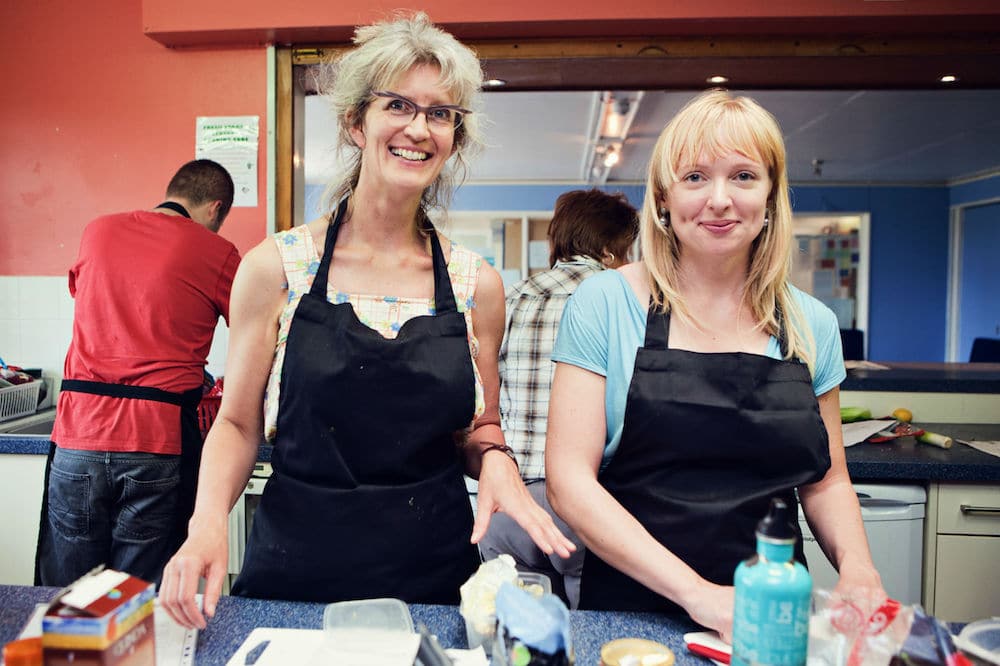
{"points": [[149, 287]]}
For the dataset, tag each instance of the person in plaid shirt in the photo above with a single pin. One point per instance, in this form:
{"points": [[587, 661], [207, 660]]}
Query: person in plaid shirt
{"points": [[590, 231]]}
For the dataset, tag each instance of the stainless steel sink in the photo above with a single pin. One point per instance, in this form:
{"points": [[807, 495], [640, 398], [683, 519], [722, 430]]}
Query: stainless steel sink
{"points": [[39, 423]]}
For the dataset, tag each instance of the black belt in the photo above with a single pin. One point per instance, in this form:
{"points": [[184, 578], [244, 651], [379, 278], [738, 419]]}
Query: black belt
{"points": [[187, 399]]}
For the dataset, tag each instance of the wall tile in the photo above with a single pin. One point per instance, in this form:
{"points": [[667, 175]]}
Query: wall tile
{"points": [[10, 306], [38, 297], [10, 341], [220, 347], [49, 340]]}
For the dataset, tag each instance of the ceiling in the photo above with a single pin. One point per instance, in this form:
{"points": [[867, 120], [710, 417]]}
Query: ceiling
{"points": [[861, 136]]}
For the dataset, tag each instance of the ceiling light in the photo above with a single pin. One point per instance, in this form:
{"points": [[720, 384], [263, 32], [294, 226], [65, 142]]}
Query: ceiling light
{"points": [[494, 83], [717, 79], [611, 157], [949, 78], [610, 121]]}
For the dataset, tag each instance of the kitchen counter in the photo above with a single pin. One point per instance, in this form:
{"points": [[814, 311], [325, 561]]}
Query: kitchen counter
{"points": [[905, 459], [237, 617], [926, 378], [899, 461]]}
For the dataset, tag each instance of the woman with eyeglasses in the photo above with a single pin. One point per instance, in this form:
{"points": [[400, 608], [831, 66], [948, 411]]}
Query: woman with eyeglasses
{"points": [[365, 344]]}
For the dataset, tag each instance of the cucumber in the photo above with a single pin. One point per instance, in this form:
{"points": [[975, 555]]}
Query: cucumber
{"points": [[851, 414]]}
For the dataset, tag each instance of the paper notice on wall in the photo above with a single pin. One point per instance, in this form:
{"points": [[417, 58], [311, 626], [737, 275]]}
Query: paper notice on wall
{"points": [[232, 142], [538, 254]]}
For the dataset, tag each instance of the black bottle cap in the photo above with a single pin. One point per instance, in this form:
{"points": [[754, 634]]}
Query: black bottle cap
{"points": [[777, 524]]}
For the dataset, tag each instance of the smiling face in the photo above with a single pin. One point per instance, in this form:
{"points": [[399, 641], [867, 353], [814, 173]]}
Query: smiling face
{"points": [[404, 156], [717, 204]]}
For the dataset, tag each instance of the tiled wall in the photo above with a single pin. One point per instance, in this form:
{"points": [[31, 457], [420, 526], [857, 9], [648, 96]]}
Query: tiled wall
{"points": [[36, 325]]}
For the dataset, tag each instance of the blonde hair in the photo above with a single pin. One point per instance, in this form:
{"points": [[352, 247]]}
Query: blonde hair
{"points": [[384, 53], [716, 123]]}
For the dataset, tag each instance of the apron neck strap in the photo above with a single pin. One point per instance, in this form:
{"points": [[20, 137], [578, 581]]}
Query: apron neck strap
{"points": [[658, 328], [176, 207], [444, 296], [782, 338]]}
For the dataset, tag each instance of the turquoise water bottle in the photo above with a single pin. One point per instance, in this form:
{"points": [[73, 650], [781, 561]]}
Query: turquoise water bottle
{"points": [[773, 591]]}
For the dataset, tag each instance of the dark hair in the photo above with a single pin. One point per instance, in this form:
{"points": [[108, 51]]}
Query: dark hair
{"points": [[591, 222], [201, 181]]}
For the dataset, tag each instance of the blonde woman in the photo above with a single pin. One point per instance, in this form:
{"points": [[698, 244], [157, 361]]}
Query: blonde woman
{"points": [[364, 344], [696, 384]]}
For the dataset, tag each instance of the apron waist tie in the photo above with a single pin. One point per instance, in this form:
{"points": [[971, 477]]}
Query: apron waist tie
{"points": [[189, 398]]}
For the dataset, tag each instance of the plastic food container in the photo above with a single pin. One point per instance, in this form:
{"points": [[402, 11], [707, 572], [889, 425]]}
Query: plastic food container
{"points": [[484, 631], [377, 614]]}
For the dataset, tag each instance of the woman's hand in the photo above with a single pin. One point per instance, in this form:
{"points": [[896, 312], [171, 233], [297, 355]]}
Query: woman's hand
{"points": [[857, 575], [501, 489], [711, 606], [205, 554]]}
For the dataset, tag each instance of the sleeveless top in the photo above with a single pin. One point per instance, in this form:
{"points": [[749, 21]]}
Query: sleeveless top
{"points": [[384, 314]]}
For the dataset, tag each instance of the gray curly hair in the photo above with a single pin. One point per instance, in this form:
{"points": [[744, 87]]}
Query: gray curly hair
{"points": [[385, 52]]}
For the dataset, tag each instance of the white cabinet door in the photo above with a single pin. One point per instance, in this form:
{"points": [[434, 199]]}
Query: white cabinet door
{"points": [[966, 578], [21, 497]]}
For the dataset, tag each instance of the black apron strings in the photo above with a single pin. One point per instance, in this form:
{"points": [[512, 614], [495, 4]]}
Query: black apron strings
{"points": [[176, 207]]}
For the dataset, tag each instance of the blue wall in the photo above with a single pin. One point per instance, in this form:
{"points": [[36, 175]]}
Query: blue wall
{"points": [[908, 288], [907, 318]]}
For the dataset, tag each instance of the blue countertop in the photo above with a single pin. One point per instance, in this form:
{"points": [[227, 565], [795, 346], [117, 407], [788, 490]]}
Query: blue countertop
{"points": [[236, 617]]}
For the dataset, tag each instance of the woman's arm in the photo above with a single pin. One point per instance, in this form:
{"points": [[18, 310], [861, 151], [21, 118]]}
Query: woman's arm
{"points": [[832, 509], [573, 451], [500, 484], [232, 444]]}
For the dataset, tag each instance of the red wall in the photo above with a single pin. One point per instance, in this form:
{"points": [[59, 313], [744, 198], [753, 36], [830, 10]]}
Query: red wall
{"points": [[96, 114], [96, 117]]}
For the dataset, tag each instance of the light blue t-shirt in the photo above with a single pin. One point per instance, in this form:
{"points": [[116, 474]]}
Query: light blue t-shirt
{"points": [[604, 325]]}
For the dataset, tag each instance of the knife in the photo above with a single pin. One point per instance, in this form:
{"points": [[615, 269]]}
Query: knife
{"points": [[254, 654]]}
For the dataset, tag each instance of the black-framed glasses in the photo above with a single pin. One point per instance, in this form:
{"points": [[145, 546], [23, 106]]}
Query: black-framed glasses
{"points": [[440, 117]]}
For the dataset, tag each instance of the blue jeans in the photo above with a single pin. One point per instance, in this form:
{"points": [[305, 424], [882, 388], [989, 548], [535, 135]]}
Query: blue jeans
{"points": [[117, 509]]}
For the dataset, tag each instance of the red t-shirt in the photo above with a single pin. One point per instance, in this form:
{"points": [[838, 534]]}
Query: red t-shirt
{"points": [[149, 289]]}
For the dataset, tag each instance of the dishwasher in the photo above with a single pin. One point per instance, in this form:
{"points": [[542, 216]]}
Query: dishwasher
{"points": [[894, 522]]}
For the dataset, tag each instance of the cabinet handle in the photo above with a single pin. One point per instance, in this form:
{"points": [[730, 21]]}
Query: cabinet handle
{"points": [[969, 509]]}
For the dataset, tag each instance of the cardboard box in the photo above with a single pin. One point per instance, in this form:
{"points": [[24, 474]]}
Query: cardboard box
{"points": [[103, 619]]}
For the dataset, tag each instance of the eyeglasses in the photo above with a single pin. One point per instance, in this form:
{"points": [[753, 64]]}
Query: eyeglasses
{"points": [[403, 111]]}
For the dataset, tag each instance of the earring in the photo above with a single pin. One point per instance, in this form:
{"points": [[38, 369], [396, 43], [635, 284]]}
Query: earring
{"points": [[767, 218], [664, 218]]}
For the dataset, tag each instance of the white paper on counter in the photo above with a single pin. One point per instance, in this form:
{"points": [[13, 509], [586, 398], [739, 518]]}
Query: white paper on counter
{"points": [[990, 447], [475, 657], [859, 431], [315, 647], [175, 645]]}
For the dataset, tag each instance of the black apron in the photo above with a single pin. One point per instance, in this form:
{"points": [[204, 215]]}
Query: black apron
{"points": [[367, 498], [191, 440], [708, 440]]}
